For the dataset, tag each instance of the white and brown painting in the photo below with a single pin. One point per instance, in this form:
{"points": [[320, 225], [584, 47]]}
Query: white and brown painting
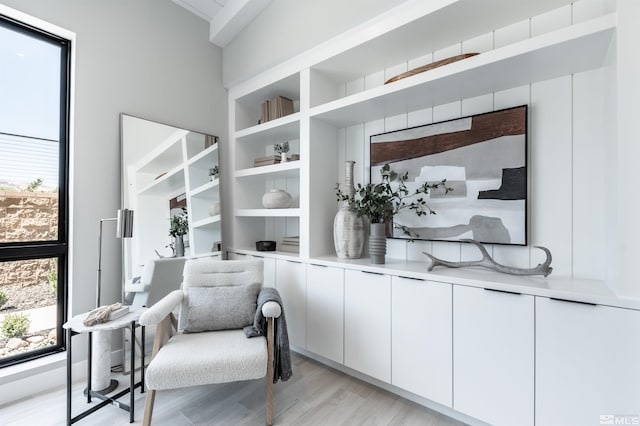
{"points": [[482, 157]]}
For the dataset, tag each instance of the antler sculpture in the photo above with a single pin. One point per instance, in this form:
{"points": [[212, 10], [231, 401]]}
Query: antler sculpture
{"points": [[487, 262]]}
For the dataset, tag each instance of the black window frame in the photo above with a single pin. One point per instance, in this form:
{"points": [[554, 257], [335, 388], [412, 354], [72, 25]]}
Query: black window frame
{"points": [[58, 249]]}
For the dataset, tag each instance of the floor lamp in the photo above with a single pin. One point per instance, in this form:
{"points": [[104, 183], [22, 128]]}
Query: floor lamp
{"points": [[101, 351]]}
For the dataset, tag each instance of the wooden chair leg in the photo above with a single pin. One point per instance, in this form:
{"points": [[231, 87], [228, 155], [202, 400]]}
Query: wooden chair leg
{"points": [[148, 407], [270, 371], [163, 333]]}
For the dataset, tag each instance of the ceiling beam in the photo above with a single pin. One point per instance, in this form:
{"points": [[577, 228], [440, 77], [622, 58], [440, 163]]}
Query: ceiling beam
{"points": [[232, 18]]}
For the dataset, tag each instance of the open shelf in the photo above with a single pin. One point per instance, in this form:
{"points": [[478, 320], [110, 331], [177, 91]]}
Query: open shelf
{"points": [[203, 154], [268, 212], [206, 222], [287, 127], [171, 182], [289, 166], [205, 187], [423, 28], [249, 106], [576, 48]]}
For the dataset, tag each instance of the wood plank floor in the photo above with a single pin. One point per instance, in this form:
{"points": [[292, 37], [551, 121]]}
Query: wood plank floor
{"points": [[315, 395]]}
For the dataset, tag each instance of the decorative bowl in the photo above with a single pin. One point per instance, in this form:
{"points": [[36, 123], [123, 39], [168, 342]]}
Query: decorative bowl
{"points": [[265, 245]]}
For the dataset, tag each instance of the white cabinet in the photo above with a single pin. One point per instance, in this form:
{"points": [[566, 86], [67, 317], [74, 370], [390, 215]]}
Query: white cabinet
{"points": [[493, 355], [422, 339], [325, 311], [291, 283], [367, 323], [587, 363]]}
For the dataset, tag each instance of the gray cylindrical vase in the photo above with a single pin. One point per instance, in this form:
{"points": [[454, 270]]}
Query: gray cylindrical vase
{"points": [[377, 243], [179, 245], [348, 228]]}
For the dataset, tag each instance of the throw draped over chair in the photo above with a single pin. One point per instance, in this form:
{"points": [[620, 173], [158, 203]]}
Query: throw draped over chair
{"points": [[213, 296]]}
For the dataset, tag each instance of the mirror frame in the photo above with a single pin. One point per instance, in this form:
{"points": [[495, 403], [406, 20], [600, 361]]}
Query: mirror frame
{"points": [[160, 163]]}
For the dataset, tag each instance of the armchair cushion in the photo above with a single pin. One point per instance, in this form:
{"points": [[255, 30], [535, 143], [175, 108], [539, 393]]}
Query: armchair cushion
{"points": [[221, 308], [204, 358]]}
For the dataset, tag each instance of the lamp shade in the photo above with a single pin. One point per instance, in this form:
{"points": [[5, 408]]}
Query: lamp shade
{"points": [[124, 225]]}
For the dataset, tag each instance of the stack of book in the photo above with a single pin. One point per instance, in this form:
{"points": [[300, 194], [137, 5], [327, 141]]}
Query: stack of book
{"points": [[273, 159], [290, 244], [266, 161], [118, 313], [276, 108]]}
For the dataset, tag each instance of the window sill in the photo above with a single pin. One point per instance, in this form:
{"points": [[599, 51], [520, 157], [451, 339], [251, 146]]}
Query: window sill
{"points": [[30, 368]]}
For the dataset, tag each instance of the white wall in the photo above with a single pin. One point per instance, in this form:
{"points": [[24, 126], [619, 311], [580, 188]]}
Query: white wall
{"points": [[148, 58], [624, 164], [289, 27]]}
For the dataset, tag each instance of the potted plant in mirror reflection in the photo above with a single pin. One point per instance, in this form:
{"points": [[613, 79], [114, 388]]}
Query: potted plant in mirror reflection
{"points": [[214, 172], [380, 202], [178, 227], [282, 149]]}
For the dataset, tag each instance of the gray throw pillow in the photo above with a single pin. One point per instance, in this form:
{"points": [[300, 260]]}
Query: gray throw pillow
{"points": [[221, 308]]}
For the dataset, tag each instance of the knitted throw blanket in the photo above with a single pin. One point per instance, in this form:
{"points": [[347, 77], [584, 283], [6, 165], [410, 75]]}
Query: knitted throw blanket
{"points": [[282, 355]]}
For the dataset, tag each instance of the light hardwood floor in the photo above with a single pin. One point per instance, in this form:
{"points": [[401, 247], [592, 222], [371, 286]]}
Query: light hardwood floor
{"points": [[315, 395]]}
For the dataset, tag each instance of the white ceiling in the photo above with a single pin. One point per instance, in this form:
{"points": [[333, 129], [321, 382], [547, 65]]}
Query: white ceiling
{"points": [[226, 17]]}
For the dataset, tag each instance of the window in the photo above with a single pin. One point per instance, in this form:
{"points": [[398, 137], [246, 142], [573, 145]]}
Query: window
{"points": [[34, 142]]}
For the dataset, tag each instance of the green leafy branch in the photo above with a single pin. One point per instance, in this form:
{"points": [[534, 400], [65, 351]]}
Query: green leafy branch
{"points": [[382, 201], [179, 224]]}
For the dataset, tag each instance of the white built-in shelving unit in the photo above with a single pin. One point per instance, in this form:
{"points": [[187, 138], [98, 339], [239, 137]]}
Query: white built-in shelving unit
{"points": [[340, 84]]}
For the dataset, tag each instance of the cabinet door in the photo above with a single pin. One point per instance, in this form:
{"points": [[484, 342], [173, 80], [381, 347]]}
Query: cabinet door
{"points": [[493, 355], [422, 339], [587, 363], [325, 311], [291, 282], [367, 324]]}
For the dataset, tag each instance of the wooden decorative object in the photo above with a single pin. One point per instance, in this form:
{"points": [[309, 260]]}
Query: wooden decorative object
{"points": [[430, 66], [487, 262]]}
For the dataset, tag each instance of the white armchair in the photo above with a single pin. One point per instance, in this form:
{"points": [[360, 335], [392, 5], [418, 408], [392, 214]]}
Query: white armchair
{"points": [[198, 358], [159, 277]]}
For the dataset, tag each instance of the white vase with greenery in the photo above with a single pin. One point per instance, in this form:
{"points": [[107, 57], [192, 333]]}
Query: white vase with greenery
{"points": [[381, 201]]}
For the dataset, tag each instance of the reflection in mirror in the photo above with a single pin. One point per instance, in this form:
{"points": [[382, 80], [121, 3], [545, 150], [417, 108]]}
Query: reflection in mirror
{"points": [[164, 169]]}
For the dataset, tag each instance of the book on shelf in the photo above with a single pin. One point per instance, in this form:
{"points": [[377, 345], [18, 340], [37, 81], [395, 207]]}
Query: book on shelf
{"points": [[289, 248], [290, 244], [265, 161], [118, 313], [291, 240], [276, 108]]}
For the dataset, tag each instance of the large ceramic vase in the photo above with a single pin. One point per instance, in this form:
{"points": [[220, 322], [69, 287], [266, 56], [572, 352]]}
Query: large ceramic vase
{"points": [[377, 243], [348, 228]]}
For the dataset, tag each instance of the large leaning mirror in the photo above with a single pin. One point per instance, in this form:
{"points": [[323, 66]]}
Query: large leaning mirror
{"points": [[168, 174]]}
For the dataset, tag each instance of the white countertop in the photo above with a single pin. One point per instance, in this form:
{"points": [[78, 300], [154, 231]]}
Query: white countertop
{"points": [[553, 286], [574, 289]]}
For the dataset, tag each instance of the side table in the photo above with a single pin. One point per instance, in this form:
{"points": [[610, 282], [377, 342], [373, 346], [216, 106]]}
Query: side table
{"points": [[74, 327]]}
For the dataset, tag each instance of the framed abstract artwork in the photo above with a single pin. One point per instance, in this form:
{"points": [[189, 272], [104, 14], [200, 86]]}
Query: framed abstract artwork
{"points": [[483, 159]]}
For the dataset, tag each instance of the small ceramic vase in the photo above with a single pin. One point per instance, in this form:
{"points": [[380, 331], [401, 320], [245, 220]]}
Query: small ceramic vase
{"points": [[277, 199], [214, 209]]}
